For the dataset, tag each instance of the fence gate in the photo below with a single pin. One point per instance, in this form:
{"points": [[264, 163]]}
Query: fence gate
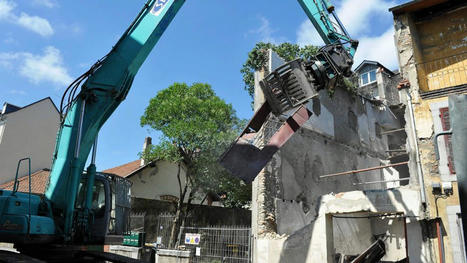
{"points": [[164, 226], [223, 244]]}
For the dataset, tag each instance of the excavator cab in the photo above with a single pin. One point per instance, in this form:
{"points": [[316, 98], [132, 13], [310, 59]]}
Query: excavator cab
{"points": [[110, 209]]}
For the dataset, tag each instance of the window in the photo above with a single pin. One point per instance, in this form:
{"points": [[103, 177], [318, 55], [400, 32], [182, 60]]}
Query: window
{"points": [[368, 77], [446, 124], [98, 197]]}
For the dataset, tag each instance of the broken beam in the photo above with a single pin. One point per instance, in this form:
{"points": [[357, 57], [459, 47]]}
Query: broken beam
{"points": [[387, 181], [364, 170], [391, 131]]}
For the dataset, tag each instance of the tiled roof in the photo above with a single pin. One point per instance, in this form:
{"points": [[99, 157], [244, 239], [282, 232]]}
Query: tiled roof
{"points": [[125, 169], [39, 181], [40, 178]]}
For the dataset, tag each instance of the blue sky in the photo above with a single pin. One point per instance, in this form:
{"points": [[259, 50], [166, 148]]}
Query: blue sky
{"points": [[45, 44]]}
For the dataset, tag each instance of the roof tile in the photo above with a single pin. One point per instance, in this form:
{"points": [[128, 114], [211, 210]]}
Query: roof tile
{"points": [[39, 181], [125, 169]]}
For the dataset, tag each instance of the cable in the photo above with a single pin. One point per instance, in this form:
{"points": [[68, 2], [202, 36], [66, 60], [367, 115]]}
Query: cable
{"points": [[73, 87]]}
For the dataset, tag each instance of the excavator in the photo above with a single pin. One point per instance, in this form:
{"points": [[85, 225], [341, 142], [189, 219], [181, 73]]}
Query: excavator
{"points": [[82, 209]]}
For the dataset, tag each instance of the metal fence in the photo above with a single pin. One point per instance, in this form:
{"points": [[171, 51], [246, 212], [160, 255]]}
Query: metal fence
{"points": [[137, 222], [164, 226], [219, 244]]}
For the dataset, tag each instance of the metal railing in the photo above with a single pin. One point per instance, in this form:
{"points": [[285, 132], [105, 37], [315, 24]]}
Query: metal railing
{"points": [[443, 72], [220, 244]]}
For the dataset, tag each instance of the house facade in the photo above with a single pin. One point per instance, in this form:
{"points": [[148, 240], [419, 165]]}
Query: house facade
{"points": [[27, 132], [378, 82], [158, 180], [430, 37]]}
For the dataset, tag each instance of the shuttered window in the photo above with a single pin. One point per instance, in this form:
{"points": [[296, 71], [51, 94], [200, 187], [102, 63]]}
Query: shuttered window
{"points": [[446, 124]]}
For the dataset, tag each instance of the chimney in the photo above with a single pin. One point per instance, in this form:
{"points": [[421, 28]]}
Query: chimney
{"points": [[147, 143]]}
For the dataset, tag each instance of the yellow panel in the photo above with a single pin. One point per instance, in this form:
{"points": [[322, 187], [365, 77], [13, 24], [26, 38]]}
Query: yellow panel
{"points": [[443, 48]]}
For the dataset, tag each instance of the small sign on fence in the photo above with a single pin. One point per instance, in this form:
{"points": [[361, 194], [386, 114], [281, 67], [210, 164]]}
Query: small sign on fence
{"points": [[192, 239]]}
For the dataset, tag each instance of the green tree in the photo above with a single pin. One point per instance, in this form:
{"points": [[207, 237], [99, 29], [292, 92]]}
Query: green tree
{"points": [[258, 57], [196, 127]]}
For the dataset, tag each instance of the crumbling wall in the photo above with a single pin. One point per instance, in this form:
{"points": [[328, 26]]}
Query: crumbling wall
{"points": [[317, 241], [341, 135], [389, 88]]}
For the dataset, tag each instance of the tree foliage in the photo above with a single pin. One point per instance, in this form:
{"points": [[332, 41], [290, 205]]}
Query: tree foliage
{"points": [[258, 57], [196, 127]]}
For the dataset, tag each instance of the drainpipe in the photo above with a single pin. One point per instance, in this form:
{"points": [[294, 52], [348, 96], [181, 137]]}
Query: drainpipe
{"points": [[417, 155]]}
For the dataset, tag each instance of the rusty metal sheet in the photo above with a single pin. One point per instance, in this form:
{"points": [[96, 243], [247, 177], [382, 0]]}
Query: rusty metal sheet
{"points": [[245, 160]]}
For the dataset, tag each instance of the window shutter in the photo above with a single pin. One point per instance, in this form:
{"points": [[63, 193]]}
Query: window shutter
{"points": [[446, 124]]}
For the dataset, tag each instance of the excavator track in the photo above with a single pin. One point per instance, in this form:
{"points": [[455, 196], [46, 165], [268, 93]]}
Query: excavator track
{"points": [[63, 255]]}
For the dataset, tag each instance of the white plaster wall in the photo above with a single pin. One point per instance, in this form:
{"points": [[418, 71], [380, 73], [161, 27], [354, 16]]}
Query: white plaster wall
{"points": [[352, 236], [152, 182], [29, 132]]}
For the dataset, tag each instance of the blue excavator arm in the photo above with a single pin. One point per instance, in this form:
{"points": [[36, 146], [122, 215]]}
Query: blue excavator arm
{"points": [[324, 18], [104, 87]]}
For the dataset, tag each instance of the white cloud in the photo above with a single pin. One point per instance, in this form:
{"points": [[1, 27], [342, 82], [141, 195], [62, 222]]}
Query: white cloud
{"points": [[358, 17], [356, 14], [34, 23], [307, 35], [5, 9], [47, 67], [7, 59], [17, 92], [46, 3], [265, 32], [379, 48]]}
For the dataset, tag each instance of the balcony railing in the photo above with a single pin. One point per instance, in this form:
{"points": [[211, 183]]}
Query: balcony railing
{"points": [[443, 72]]}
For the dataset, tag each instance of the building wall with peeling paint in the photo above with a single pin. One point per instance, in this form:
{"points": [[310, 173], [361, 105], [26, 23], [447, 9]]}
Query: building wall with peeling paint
{"points": [[431, 41], [158, 181]]}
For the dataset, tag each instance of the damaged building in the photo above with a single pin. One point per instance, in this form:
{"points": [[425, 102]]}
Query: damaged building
{"points": [[334, 189], [362, 174]]}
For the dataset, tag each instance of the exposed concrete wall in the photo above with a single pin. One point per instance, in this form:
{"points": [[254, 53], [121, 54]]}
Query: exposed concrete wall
{"points": [[388, 87], [292, 219], [28, 132], [318, 241], [288, 194]]}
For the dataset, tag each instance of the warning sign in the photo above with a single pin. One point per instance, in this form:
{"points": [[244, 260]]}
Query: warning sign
{"points": [[192, 239]]}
